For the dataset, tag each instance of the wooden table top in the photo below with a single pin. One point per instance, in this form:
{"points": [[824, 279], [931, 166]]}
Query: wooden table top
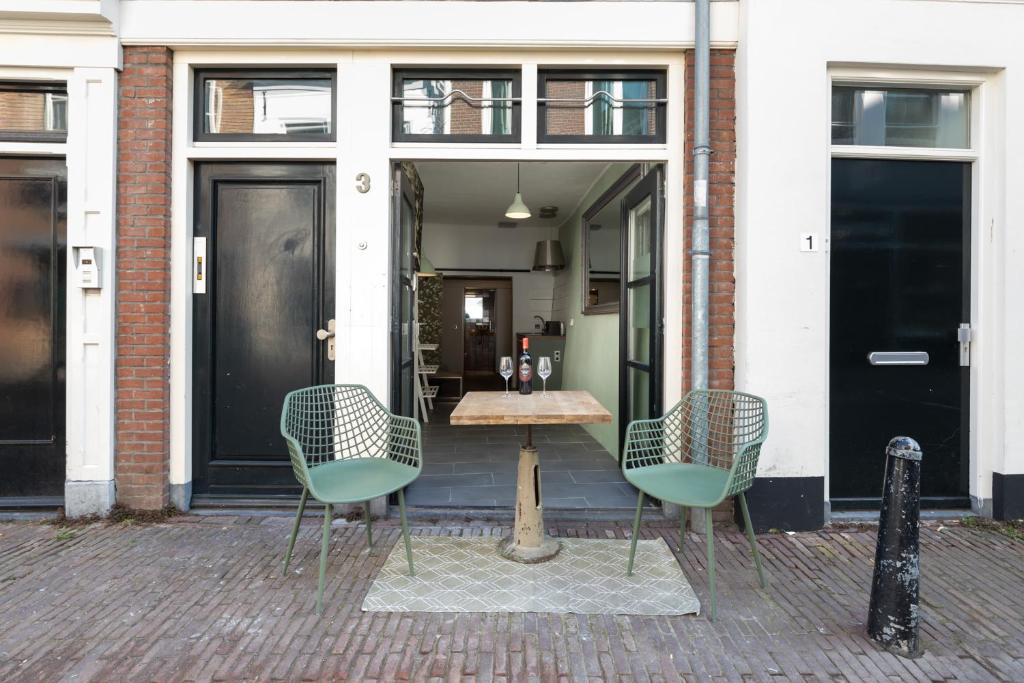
{"points": [[560, 407]]}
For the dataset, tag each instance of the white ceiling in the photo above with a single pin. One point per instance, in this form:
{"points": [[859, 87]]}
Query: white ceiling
{"points": [[476, 193]]}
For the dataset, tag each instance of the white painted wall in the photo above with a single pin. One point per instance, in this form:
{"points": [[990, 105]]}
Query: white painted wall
{"points": [[428, 24], [786, 50], [485, 249], [92, 170]]}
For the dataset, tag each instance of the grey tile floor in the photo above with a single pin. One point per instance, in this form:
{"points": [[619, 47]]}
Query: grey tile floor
{"points": [[475, 466]]}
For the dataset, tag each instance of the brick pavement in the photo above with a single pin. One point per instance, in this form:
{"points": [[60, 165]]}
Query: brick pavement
{"points": [[201, 598]]}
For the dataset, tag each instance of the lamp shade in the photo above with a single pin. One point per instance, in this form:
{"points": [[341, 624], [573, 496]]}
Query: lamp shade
{"points": [[517, 210], [426, 268], [548, 256]]}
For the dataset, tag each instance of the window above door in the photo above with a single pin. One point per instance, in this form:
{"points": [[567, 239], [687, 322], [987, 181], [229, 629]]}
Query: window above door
{"points": [[269, 104], [900, 117], [446, 105], [577, 106], [33, 112]]}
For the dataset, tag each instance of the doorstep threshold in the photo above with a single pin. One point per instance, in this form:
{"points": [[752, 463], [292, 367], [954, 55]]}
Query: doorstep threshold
{"points": [[871, 516]]}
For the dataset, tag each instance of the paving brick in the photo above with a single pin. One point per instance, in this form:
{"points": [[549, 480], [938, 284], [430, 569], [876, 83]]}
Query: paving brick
{"points": [[201, 598]]}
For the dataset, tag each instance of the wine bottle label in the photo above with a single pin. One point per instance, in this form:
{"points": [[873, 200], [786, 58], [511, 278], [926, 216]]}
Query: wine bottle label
{"points": [[525, 372]]}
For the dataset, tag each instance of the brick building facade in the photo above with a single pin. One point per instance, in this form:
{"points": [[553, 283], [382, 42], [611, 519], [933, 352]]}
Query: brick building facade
{"points": [[120, 76]]}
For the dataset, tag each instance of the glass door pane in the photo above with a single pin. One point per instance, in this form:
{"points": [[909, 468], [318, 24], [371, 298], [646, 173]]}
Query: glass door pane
{"points": [[639, 338], [640, 252], [640, 311]]}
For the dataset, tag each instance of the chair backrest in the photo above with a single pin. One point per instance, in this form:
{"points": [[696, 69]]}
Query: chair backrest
{"points": [[333, 422], [717, 428]]}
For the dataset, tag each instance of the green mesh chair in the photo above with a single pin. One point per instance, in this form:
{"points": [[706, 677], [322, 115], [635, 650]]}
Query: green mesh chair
{"points": [[346, 447], [703, 451]]}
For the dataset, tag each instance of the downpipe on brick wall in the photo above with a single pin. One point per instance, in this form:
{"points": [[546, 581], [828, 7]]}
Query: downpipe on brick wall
{"points": [[700, 239], [700, 242]]}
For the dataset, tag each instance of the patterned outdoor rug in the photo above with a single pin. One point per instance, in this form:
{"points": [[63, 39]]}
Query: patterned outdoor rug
{"points": [[588, 576]]}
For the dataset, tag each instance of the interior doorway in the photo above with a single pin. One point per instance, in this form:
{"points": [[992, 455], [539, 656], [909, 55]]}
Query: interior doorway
{"points": [[476, 331], [580, 277]]}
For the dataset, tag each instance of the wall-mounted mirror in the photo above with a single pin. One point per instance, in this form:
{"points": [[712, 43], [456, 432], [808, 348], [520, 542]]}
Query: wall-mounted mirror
{"points": [[602, 247]]}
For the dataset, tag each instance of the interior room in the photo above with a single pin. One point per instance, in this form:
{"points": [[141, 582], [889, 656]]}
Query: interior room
{"points": [[490, 276]]}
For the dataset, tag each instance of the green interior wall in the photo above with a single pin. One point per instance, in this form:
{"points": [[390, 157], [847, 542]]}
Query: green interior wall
{"points": [[592, 343]]}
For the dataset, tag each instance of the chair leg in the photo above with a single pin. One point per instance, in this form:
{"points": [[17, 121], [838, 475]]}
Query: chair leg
{"points": [[295, 530], [750, 537], [710, 532], [405, 530], [636, 532], [682, 528], [369, 524], [328, 514]]}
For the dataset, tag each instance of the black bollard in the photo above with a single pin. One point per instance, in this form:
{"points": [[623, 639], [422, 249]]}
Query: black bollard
{"points": [[893, 616]]}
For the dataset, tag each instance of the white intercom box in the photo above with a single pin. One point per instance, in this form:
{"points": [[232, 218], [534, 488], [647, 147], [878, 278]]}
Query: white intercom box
{"points": [[87, 267]]}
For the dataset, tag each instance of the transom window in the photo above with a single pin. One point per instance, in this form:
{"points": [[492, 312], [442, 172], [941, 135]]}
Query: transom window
{"points": [[265, 105], [601, 106], [33, 112], [432, 105], [900, 117]]}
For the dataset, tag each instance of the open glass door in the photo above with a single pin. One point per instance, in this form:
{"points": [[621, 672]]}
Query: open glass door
{"points": [[640, 318], [403, 297]]}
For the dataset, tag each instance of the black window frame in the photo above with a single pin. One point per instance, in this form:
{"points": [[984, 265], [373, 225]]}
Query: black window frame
{"points": [[399, 75], [616, 191], [201, 75], [56, 88], [659, 76]]}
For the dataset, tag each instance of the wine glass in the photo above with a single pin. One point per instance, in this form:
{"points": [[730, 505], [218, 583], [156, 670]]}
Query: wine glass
{"points": [[544, 370], [505, 370]]}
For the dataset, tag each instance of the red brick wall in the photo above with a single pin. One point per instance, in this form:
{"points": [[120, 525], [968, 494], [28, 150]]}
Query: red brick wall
{"points": [[721, 200], [143, 287], [721, 195]]}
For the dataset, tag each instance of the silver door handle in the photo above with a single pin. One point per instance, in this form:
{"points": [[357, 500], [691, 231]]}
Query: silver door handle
{"points": [[328, 336], [898, 358]]}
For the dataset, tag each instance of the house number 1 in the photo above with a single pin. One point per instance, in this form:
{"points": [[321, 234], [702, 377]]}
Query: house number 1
{"points": [[809, 241], [363, 182]]}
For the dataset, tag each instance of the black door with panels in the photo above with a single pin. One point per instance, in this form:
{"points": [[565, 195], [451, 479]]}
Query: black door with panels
{"points": [[640, 308], [33, 237], [900, 290], [263, 325]]}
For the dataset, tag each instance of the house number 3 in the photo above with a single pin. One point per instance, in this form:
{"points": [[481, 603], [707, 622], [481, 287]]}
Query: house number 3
{"points": [[363, 182]]}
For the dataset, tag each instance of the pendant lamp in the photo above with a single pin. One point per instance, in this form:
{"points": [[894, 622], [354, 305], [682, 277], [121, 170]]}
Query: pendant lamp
{"points": [[517, 210]]}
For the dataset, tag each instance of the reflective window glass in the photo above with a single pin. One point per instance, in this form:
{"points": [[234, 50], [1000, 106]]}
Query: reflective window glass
{"points": [[456, 106], [597, 107], [274, 105], [33, 111], [896, 117]]}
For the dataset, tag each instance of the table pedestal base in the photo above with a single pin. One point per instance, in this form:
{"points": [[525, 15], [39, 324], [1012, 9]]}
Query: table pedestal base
{"points": [[528, 542]]}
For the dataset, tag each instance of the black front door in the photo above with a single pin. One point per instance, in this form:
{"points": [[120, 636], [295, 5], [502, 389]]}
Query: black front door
{"points": [[899, 291], [33, 220], [640, 317], [270, 286]]}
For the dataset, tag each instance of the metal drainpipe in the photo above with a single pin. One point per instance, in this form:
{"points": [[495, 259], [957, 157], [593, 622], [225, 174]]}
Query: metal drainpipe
{"points": [[700, 242]]}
